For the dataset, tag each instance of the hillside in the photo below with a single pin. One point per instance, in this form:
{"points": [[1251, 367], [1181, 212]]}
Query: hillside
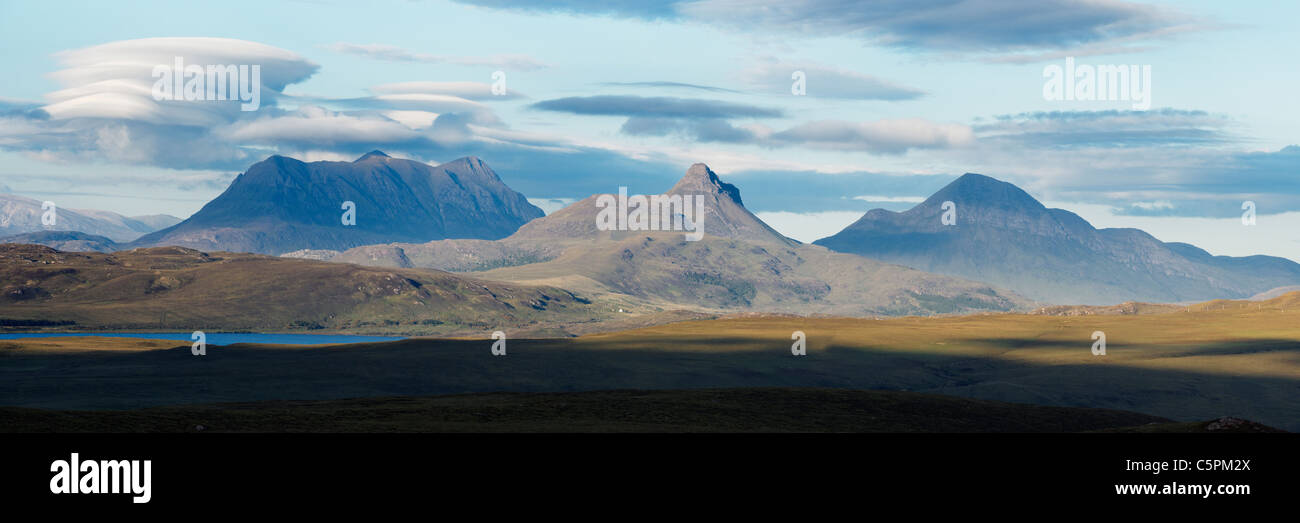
{"points": [[182, 289]]}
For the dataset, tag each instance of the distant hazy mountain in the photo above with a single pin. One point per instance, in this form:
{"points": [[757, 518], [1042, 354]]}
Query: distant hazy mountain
{"points": [[281, 205], [740, 264], [67, 241], [1005, 237], [156, 221], [19, 215]]}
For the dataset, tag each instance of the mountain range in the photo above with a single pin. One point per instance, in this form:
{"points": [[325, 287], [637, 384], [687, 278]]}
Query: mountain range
{"points": [[1003, 236], [740, 263], [1004, 250], [725, 215], [22, 215], [68, 241], [282, 204]]}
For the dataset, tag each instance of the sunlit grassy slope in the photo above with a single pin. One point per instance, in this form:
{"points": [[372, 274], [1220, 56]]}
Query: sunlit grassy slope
{"points": [[171, 288]]}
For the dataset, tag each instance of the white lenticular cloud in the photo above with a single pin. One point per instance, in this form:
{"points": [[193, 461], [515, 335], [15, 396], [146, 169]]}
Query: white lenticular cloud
{"points": [[109, 108], [114, 105], [115, 80]]}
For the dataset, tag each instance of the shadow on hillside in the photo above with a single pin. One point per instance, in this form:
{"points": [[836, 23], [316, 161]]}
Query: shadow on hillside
{"points": [[1223, 348], [241, 373]]}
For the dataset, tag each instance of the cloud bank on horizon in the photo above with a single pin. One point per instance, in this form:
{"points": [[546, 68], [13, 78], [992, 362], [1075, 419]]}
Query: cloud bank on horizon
{"points": [[898, 98]]}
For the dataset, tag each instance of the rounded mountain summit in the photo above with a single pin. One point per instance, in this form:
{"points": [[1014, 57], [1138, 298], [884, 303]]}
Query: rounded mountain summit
{"points": [[282, 204]]}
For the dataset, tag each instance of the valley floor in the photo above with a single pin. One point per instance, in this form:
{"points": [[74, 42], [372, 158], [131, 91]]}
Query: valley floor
{"points": [[1192, 365]]}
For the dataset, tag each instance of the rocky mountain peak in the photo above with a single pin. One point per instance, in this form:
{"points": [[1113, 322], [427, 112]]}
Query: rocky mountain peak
{"points": [[699, 179]]}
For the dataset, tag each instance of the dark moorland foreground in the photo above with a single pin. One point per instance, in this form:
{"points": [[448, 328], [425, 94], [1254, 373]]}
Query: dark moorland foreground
{"points": [[1202, 362], [704, 410]]}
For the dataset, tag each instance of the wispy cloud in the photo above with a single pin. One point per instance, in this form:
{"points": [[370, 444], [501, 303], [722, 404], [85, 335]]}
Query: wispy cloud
{"points": [[477, 91], [647, 9], [963, 26], [876, 198], [949, 25], [655, 107], [669, 85], [826, 82], [518, 62], [709, 121], [1110, 128], [890, 136]]}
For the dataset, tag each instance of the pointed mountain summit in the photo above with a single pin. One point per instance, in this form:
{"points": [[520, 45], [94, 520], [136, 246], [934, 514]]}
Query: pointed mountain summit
{"points": [[282, 204], [372, 154], [1005, 237], [725, 216], [700, 179]]}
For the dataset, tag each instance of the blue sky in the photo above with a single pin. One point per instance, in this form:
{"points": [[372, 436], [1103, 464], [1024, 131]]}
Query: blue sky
{"points": [[901, 97]]}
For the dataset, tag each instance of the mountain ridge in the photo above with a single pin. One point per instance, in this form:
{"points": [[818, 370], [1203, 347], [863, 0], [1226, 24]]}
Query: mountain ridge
{"points": [[67, 241], [1005, 237], [282, 204], [22, 215], [740, 263], [725, 215]]}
